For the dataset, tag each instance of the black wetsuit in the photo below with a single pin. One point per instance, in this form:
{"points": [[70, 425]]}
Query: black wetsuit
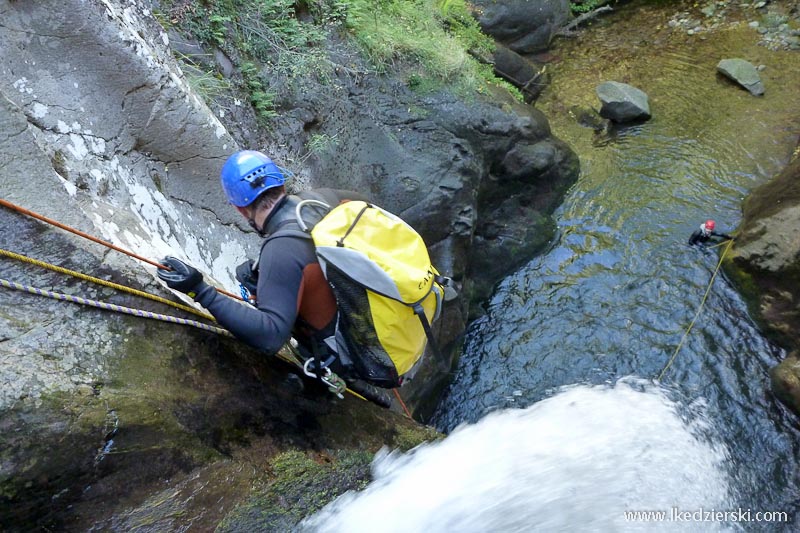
{"points": [[293, 297], [702, 237]]}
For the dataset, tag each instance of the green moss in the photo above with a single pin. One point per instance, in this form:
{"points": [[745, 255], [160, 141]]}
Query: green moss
{"points": [[298, 486], [745, 281], [409, 437], [59, 164]]}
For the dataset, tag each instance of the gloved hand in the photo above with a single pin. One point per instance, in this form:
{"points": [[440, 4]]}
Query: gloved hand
{"points": [[248, 281], [182, 277]]}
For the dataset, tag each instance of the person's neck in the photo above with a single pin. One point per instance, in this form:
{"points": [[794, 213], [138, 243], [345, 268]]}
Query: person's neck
{"points": [[262, 215]]}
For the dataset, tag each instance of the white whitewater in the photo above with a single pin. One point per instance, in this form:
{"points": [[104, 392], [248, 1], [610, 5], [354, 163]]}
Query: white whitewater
{"points": [[574, 462]]}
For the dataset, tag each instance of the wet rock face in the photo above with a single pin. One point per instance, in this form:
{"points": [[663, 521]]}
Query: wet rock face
{"points": [[99, 412], [524, 26], [766, 267], [767, 254]]}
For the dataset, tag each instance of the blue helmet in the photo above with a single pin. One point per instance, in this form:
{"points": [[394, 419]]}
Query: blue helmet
{"points": [[247, 174]]}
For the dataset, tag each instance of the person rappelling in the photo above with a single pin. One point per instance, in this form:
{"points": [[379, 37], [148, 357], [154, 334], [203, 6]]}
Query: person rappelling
{"points": [[285, 284], [352, 283], [706, 233]]}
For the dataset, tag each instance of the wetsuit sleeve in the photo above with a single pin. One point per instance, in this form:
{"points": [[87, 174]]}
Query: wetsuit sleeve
{"points": [[268, 326], [721, 235]]}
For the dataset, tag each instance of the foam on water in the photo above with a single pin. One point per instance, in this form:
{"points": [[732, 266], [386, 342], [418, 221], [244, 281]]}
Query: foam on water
{"points": [[575, 461]]}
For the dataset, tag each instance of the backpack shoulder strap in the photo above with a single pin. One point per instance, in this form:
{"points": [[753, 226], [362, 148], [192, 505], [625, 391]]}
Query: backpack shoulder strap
{"points": [[290, 228]]}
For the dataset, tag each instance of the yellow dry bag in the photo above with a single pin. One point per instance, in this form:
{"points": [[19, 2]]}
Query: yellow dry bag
{"points": [[388, 292]]}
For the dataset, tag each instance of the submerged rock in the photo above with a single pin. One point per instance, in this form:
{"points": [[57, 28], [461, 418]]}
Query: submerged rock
{"points": [[622, 102], [743, 73], [590, 118]]}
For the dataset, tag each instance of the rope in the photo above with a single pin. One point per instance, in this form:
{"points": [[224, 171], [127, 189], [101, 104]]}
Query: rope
{"points": [[112, 307], [697, 314], [119, 308], [402, 403], [79, 233], [106, 283], [289, 358]]}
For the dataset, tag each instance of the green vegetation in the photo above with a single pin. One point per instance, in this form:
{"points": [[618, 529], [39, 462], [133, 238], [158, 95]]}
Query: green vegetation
{"points": [[208, 84], [319, 143], [432, 43], [299, 487], [261, 98], [584, 6]]}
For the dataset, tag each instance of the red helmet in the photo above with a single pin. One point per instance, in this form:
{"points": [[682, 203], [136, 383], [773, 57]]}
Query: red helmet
{"points": [[710, 225]]}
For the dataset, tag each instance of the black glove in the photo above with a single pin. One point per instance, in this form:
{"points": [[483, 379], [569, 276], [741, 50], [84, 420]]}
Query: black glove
{"points": [[182, 277], [248, 281]]}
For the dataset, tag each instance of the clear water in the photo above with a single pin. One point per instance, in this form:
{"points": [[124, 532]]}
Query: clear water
{"points": [[610, 300], [619, 287]]}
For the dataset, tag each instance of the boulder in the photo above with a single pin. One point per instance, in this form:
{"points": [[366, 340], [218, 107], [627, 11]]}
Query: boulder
{"points": [[786, 381], [742, 72], [529, 77], [622, 102], [765, 266], [524, 26], [766, 258]]}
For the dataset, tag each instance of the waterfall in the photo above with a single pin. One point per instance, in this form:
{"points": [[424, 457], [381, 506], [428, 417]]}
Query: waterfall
{"points": [[578, 460]]}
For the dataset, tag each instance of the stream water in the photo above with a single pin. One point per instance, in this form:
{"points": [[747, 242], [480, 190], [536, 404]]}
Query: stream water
{"points": [[555, 419]]}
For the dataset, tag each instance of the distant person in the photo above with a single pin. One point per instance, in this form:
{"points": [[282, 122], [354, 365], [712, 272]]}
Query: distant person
{"points": [[706, 232]]}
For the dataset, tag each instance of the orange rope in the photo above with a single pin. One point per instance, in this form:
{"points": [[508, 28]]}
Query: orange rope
{"points": [[79, 233], [402, 403], [24, 211]]}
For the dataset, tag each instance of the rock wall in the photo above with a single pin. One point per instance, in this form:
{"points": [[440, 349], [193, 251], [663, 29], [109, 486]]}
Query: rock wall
{"points": [[766, 257], [101, 412], [765, 265]]}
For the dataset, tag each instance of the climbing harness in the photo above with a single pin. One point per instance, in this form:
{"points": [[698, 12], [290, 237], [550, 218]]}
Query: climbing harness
{"points": [[14, 207], [112, 307], [106, 283], [335, 383], [697, 314]]}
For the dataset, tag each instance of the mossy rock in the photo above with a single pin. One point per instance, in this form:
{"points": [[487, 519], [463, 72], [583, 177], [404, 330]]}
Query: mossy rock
{"points": [[786, 381]]}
